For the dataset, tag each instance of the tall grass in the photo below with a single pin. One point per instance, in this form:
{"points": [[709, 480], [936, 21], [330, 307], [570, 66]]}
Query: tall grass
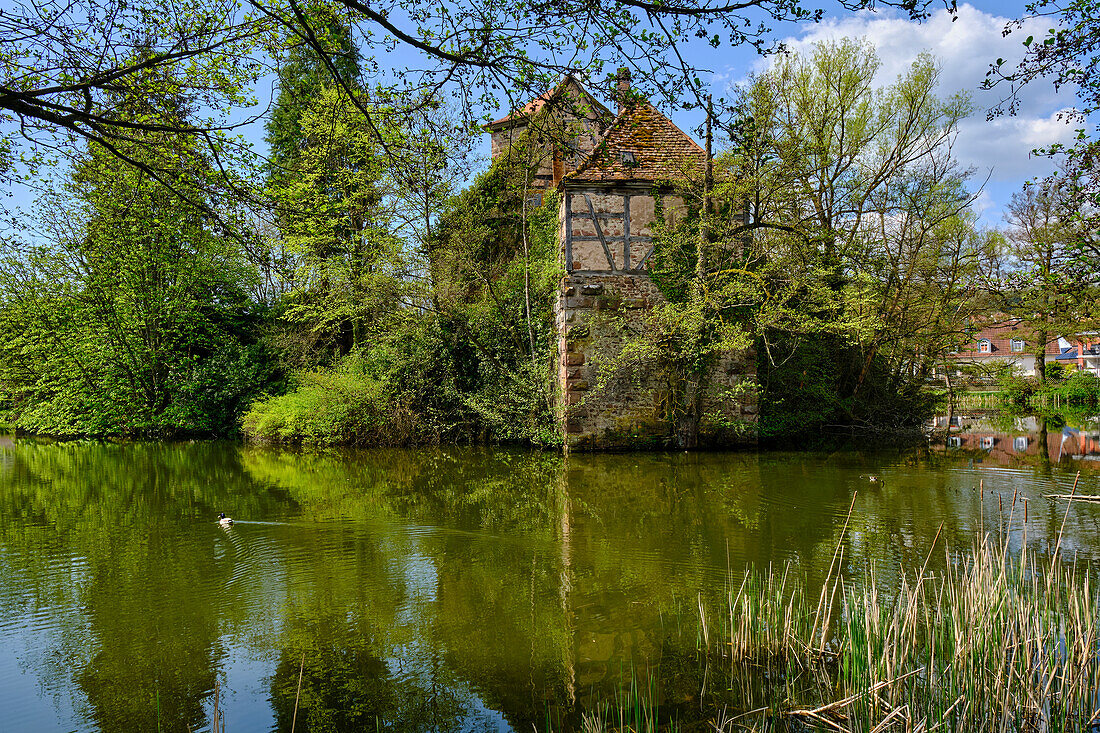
{"points": [[635, 709], [1000, 640]]}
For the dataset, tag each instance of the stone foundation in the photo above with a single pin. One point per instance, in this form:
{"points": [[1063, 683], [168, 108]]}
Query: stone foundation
{"points": [[597, 315]]}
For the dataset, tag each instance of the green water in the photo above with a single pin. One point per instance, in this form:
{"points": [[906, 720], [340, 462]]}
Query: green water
{"points": [[434, 590]]}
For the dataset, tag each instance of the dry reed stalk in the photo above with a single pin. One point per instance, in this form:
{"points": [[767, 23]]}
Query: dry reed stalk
{"points": [[824, 586], [839, 704], [703, 622], [996, 642], [301, 670]]}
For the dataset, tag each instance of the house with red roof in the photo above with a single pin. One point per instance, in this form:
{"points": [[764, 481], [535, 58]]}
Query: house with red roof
{"points": [[1004, 341]]}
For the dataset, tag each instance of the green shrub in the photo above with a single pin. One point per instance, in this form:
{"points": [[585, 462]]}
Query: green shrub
{"points": [[1055, 372], [343, 406], [1017, 389], [1080, 388]]}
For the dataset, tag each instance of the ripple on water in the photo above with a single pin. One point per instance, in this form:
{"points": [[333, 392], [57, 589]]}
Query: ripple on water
{"points": [[491, 585]]}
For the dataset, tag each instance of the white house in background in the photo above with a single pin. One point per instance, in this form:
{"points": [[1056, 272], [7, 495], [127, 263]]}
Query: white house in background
{"points": [[1084, 353], [1002, 343]]}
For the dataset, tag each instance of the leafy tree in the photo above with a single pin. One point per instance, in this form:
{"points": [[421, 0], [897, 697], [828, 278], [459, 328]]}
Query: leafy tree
{"points": [[60, 64], [303, 75], [129, 316], [338, 210], [1050, 290], [64, 67], [856, 274]]}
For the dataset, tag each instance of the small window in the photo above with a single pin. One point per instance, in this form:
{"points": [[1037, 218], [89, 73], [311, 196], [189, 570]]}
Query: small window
{"points": [[629, 158], [954, 442], [1017, 345], [987, 443], [1020, 443], [984, 346]]}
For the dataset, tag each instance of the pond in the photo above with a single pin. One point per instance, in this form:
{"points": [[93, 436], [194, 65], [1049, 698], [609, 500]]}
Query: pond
{"points": [[446, 589]]}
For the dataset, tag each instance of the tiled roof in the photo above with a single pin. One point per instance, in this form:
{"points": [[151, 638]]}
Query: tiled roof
{"points": [[1070, 353], [579, 97], [661, 151], [1000, 337]]}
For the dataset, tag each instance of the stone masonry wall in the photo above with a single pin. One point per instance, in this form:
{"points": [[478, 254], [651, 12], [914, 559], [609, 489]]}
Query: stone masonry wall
{"points": [[597, 314]]}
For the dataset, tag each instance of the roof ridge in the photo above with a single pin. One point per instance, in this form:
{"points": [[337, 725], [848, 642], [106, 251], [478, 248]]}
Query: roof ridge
{"points": [[534, 106]]}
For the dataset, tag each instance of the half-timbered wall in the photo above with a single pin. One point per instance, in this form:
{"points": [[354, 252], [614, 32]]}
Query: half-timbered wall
{"points": [[611, 232]]}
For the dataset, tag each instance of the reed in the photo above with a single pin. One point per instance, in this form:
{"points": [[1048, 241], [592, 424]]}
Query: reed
{"points": [[997, 641], [635, 709]]}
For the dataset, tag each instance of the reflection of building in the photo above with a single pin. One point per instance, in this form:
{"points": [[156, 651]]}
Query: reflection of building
{"points": [[1081, 444], [1004, 447], [976, 434]]}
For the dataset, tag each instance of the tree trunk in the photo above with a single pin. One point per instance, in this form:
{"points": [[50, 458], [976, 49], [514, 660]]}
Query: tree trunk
{"points": [[1041, 357], [695, 384]]}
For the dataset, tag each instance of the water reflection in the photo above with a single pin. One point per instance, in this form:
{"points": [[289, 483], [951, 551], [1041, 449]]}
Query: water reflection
{"points": [[1009, 439], [428, 590]]}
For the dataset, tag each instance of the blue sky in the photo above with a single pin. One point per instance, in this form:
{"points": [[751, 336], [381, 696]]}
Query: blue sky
{"points": [[1000, 149]]}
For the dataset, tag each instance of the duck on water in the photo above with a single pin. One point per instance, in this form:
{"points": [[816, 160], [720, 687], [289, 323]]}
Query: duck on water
{"points": [[224, 520]]}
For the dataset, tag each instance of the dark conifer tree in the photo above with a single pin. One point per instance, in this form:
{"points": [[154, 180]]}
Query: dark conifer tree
{"points": [[303, 74]]}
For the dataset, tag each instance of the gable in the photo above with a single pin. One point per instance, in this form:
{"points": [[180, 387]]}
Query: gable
{"points": [[567, 98], [642, 145]]}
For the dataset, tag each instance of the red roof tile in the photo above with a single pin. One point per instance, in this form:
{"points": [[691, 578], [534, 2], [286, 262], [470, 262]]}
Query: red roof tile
{"points": [[579, 96], [661, 150]]}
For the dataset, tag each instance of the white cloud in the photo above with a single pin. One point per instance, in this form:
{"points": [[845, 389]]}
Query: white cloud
{"points": [[965, 48], [984, 202], [1005, 144]]}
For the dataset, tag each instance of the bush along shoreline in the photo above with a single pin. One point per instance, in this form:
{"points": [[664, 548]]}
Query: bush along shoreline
{"points": [[1060, 388]]}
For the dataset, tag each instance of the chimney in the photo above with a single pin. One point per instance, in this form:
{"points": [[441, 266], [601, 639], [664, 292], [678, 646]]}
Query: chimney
{"points": [[622, 94]]}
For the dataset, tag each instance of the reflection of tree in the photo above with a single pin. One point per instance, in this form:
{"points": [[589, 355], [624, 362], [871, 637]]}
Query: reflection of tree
{"points": [[154, 631], [142, 616], [1044, 450], [347, 687], [493, 490], [424, 587], [340, 613]]}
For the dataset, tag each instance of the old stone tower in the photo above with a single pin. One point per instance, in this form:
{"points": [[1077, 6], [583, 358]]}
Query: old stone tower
{"points": [[615, 180]]}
